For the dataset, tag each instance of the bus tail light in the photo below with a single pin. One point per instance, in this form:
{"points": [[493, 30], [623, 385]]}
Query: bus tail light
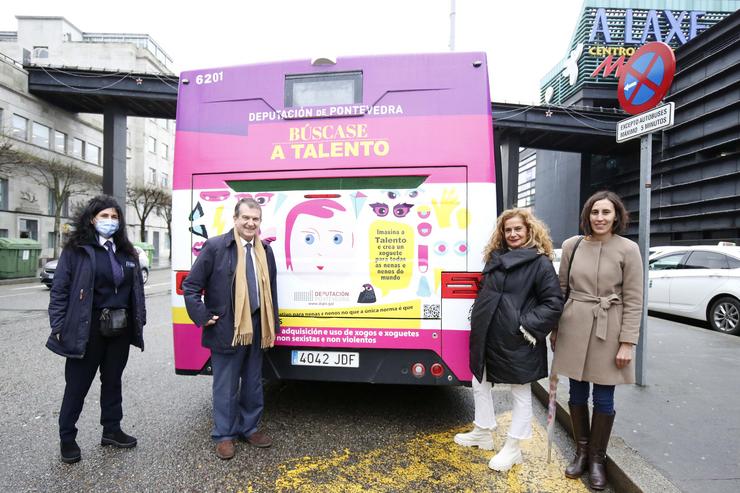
{"points": [[462, 285], [179, 278], [418, 370], [437, 370]]}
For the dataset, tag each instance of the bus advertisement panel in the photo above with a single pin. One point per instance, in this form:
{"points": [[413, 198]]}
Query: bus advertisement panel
{"points": [[366, 169]]}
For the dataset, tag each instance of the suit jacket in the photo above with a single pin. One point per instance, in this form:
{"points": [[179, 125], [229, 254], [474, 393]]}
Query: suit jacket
{"points": [[209, 290]]}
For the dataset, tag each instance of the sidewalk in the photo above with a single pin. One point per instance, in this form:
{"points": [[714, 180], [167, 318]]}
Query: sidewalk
{"points": [[161, 264], [685, 423]]}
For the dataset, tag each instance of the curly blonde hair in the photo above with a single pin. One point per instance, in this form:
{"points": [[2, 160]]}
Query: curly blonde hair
{"points": [[538, 235]]}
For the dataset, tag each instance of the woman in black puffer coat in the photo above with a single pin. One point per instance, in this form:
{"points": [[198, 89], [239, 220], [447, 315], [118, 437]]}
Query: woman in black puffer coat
{"points": [[518, 304]]}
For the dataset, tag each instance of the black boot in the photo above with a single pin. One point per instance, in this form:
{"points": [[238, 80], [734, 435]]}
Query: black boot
{"points": [[601, 430], [581, 432], [118, 439], [70, 452]]}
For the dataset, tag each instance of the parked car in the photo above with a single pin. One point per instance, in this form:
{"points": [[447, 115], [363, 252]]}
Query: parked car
{"points": [[47, 273], [557, 255], [699, 282]]}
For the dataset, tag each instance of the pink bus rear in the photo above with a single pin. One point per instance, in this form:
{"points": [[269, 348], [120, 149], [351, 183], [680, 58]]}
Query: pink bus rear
{"points": [[367, 169]]}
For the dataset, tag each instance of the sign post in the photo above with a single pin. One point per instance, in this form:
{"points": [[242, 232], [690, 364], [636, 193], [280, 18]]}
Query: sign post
{"points": [[643, 83], [643, 239]]}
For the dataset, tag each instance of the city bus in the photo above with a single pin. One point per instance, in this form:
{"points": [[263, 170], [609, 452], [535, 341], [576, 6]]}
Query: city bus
{"points": [[376, 180]]}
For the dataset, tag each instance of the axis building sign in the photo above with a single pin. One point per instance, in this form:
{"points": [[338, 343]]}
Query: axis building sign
{"points": [[645, 123], [607, 36]]}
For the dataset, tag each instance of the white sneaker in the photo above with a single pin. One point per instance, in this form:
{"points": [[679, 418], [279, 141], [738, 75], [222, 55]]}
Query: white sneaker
{"points": [[479, 437], [508, 456]]}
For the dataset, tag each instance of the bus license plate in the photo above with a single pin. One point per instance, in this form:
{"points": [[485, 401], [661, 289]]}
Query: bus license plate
{"points": [[325, 358]]}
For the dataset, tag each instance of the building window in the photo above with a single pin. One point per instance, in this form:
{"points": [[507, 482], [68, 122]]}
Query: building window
{"points": [[152, 176], [151, 144], [60, 142], [51, 239], [165, 182], [78, 148], [53, 205], [3, 233], [29, 228], [41, 52], [92, 153], [165, 151], [19, 128], [40, 135], [3, 193], [526, 183]]}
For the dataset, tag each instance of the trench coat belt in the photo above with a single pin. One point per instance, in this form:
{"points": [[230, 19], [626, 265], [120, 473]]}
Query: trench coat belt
{"points": [[601, 305]]}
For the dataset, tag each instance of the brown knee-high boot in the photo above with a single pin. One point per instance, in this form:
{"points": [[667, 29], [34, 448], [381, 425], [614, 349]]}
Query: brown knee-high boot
{"points": [[601, 430], [581, 432]]}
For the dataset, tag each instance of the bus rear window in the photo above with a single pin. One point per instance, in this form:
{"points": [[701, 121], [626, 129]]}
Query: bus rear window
{"points": [[323, 89]]}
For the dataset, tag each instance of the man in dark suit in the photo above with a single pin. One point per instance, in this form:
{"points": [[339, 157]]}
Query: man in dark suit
{"points": [[231, 292]]}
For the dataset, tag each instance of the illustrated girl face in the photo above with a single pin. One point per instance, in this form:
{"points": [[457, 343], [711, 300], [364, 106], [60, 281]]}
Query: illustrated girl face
{"points": [[319, 236], [602, 217], [516, 232]]}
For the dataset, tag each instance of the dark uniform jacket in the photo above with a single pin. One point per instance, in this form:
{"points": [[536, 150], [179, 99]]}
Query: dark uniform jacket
{"points": [[71, 302], [519, 288]]}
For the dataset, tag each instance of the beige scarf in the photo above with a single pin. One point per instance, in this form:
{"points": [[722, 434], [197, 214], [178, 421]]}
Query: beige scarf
{"points": [[242, 312]]}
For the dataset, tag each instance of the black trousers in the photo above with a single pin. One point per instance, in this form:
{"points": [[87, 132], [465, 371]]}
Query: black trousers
{"points": [[110, 354]]}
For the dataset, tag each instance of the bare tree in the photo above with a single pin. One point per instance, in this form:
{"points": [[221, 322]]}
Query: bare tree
{"points": [[64, 178], [164, 210], [144, 200]]}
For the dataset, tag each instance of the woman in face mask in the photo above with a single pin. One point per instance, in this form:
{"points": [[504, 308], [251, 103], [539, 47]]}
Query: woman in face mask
{"points": [[96, 311]]}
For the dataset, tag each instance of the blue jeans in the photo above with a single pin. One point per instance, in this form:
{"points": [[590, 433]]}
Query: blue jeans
{"points": [[603, 396]]}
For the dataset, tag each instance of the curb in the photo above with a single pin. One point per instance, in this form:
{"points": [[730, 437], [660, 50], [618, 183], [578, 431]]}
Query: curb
{"points": [[627, 471], [20, 280]]}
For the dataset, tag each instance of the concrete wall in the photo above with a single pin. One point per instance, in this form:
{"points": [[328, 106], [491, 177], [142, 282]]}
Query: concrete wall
{"points": [[557, 199]]}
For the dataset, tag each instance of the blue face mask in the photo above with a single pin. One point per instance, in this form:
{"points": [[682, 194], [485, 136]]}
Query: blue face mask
{"points": [[106, 227]]}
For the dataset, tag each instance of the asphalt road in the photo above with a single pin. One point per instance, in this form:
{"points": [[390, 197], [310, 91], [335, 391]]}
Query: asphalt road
{"points": [[328, 437]]}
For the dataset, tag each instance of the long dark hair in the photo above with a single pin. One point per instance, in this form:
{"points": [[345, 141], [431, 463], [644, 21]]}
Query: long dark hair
{"points": [[84, 231], [621, 216]]}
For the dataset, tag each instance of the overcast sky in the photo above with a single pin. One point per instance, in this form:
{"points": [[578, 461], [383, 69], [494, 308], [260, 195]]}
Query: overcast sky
{"points": [[523, 38]]}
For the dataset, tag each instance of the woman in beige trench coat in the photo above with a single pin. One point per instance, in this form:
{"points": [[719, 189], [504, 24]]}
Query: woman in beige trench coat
{"points": [[599, 327]]}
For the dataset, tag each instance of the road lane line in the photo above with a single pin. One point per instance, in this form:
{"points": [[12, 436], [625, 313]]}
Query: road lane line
{"points": [[428, 463], [29, 287], [155, 285], [11, 295]]}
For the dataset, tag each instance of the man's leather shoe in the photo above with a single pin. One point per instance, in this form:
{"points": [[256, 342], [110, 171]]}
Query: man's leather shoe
{"points": [[118, 439], [225, 449], [259, 439], [70, 452]]}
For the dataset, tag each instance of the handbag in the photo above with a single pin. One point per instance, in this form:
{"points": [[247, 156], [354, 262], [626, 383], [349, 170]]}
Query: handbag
{"points": [[570, 266], [112, 322]]}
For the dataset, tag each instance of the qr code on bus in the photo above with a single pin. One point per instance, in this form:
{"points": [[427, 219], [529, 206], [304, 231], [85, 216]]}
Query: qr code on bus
{"points": [[432, 311]]}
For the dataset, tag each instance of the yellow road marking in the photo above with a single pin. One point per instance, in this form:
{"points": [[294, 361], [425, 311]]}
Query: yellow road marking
{"points": [[428, 463]]}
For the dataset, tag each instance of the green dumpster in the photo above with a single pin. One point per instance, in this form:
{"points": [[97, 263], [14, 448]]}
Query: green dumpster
{"points": [[149, 249], [19, 257]]}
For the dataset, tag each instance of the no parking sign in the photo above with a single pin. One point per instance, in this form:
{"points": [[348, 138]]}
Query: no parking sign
{"points": [[646, 78]]}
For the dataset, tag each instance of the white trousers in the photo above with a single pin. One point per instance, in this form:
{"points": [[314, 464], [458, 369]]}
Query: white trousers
{"points": [[521, 413]]}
